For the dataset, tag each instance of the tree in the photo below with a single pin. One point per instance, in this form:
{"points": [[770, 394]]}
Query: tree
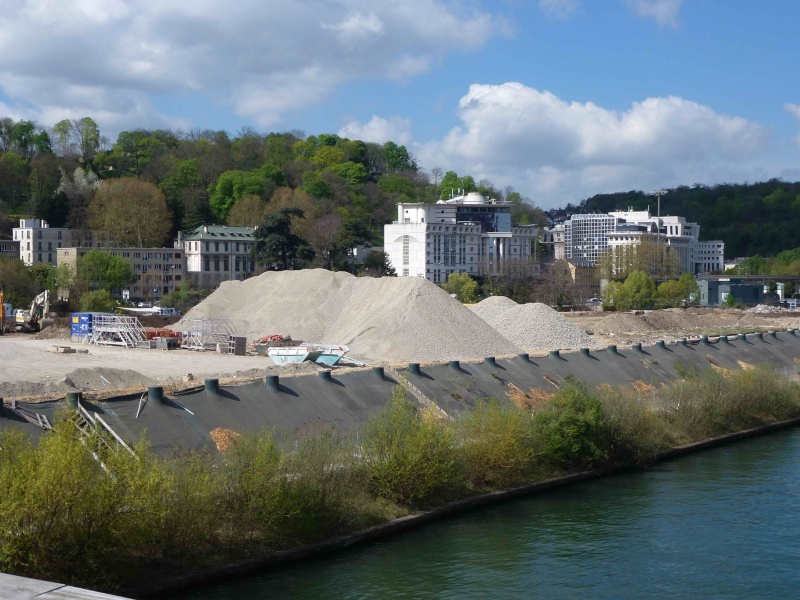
{"points": [[183, 297], [636, 293], [249, 211], [97, 301], [377, 264], [19, 286], [398, 158], [132, 212], [325, 237], [679, 292], [79, 190], [275, 242], [99, 269], [88, 136], [463, 286], [233, 185], [14, 173], [63, 138]]}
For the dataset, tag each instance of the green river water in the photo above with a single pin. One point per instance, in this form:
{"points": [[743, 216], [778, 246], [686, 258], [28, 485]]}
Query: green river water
{"points": [[722, 523]]}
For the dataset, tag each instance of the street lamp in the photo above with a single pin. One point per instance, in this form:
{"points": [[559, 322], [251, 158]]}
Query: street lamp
{"points": [[658, 193]]}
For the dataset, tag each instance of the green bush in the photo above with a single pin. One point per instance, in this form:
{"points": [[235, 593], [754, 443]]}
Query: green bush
{"points": [[496, 445], [571, 427], [409, 458]]}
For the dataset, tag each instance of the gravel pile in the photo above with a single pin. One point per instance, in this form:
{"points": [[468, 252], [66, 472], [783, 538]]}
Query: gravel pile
{"points": [[493, 307], [394, 319], [536, 326]]}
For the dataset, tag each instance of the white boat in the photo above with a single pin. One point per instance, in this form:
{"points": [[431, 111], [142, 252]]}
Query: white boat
{"points": [[324, 354]]}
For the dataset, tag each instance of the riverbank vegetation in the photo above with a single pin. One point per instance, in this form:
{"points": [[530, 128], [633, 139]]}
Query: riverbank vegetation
{"points": [[140, 517]]}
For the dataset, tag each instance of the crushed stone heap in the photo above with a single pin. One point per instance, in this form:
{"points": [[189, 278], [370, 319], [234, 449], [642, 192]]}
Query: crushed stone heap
{"points": [[533, 326], [393, 319]]}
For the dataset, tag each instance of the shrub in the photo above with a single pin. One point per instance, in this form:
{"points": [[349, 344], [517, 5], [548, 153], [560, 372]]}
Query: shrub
{"points": [[572, 427], [408, 458], [496, 445]]}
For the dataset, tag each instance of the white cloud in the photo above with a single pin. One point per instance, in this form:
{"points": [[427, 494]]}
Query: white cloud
{"points": [[794, 110], [560, 9], [379, 130], [262, 57], [562, 151], [663, 12]]}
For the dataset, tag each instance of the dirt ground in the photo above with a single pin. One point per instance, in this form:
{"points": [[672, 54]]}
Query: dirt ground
{"points": [[672, 324], [30, 369]]}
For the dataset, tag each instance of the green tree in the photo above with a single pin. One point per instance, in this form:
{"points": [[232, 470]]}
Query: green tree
{"points": [[683, 291], [377, 264], [14, 174], [97, 301], [132, 212], [17, 281], [88, 136], [463, 286], [63, 138], [100, 269], [398, 158], [637, 292], [275, 242], [232, 185]]}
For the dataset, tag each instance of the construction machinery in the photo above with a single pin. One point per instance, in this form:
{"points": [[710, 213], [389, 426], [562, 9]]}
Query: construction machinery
{"points": [[32, 319]]}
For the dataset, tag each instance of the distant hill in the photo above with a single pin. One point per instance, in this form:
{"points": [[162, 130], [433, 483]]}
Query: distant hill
{"points": [[759, 218]]}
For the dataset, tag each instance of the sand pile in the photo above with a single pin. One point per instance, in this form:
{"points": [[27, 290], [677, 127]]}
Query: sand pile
{"points": [[533, 326], [395, 319]]}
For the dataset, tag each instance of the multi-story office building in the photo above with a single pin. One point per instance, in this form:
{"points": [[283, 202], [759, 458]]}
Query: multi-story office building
{"points": [[217, 253], [588, 237], [466, 234], [158, 270]]}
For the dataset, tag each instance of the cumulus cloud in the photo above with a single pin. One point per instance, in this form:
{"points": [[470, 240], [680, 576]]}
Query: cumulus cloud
{"points": [[565, 150], [379, 130], [261, 57], [663, 12]]}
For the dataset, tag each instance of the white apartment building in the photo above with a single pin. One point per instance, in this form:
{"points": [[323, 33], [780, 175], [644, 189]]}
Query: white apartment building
{"points": [[158, 270], [217, 253], [588, 237], [466, 234], [38, 242]]}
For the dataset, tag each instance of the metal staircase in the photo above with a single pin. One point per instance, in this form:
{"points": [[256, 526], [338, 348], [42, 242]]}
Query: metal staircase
{"points": [[116, 330]]}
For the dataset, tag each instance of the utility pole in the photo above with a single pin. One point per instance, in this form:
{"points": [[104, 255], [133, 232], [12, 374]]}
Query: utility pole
{"points": [[658, 193]]}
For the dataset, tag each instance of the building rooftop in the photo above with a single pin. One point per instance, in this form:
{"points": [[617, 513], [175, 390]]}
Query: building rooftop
{"points": [[220, 232]]}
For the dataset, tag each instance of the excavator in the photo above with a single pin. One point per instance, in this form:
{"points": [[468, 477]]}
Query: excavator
{"points": [[31, 319]]}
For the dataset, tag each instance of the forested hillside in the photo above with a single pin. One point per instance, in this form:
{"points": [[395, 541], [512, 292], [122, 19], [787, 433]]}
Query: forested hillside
{"points": [[347, 189], [759, 218]]}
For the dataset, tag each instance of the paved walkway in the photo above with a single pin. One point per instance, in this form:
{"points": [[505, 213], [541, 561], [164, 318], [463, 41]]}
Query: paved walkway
{"points": [[22, 588]]}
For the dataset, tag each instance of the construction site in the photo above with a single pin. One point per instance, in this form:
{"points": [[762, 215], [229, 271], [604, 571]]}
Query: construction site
{"points": [[332, 348]]}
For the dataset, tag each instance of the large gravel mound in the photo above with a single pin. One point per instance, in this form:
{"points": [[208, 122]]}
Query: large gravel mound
{"points": [[620, 323], [536, 326], [394, 319]]}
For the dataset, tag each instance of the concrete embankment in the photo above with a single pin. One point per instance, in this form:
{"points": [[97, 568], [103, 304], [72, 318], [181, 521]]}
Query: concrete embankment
{"points": [[346, 398]]}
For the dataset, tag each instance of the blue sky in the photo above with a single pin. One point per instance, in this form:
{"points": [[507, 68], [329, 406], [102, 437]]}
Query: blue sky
{"points": [[560, 99]]}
